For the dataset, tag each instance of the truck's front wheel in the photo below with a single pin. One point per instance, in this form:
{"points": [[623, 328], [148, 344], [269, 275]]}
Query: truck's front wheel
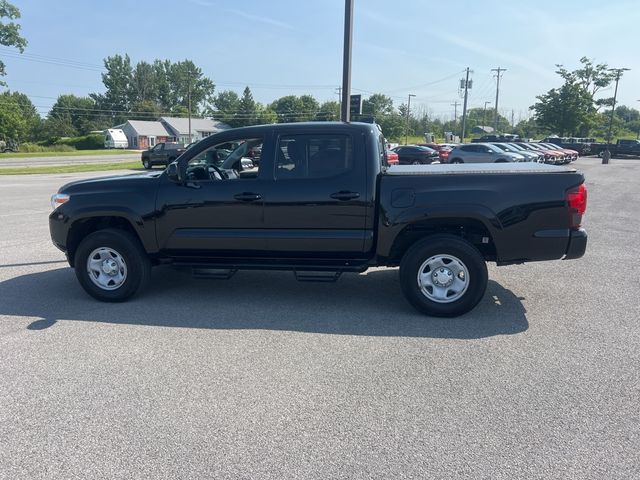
{"points": [[443, 276], [111, 265]]}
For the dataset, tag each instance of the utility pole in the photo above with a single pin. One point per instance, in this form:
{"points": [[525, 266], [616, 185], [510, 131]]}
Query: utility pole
{"points": [[346, 60], [464, 106], [455, 111], [484, 114], [406, 132], [618, 72], [339, 93], [512, 116], [189, 102], [495, 117]]}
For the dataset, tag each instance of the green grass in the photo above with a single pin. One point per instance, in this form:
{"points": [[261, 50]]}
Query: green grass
{"points": [[75, 153], [83, 167]]}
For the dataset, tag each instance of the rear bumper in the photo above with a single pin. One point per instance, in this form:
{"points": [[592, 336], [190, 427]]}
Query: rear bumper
{"points": [[577, 244]]}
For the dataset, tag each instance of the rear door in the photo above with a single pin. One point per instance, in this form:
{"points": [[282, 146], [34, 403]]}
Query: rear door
{"points": [[316, 204]]}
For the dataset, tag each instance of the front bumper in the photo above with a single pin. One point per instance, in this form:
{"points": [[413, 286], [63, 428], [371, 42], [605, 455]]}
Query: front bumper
{"points": [[577, 244]]}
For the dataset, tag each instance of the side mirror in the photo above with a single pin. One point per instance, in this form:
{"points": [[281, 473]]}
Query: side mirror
{"points": [[175, 173]]}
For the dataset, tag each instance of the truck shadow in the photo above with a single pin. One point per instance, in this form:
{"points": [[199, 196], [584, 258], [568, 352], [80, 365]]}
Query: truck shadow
{"points": [[368, 304]]}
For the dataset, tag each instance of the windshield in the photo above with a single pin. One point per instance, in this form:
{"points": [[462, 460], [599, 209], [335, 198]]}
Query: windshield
{"points": [[493, 148]]}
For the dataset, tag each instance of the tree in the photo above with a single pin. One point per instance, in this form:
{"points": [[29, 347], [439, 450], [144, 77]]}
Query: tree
{"points": [[328, 111], [567, 110], [117, 81], [226, 105], [189, 86], [72, 115], [288, 109], [13, 121], [28, 113], [144, 87], [377, 104], [592, 77], [247, 109], [10, 32]]}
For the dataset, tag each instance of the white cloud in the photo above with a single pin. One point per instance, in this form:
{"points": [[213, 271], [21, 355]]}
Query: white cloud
{"points": [[257, 18]]}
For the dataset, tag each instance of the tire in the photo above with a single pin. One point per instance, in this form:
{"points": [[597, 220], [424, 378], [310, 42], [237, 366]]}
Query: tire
{"points": [[466, 269], [416, 162], [146, 164], [456, 160], [501, 160], [117, 247]]}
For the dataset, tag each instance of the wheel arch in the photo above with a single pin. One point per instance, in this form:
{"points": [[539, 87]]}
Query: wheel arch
{"points": [[470, 229], [82, 227]]}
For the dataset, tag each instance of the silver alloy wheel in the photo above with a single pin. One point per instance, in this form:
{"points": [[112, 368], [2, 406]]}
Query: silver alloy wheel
{"points": [[106, 268], [443, 278]]}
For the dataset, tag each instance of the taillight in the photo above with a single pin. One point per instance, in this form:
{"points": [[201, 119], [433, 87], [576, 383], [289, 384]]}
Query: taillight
{"points": [[577, 203]]}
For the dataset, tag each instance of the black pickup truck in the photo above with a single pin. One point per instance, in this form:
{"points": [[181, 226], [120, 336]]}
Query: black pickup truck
{"points": [[621, 147], [321, 201], [162, 154]]}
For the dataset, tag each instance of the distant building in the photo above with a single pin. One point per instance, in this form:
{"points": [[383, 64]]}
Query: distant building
{"points": [[143, 134], [200, 128]]}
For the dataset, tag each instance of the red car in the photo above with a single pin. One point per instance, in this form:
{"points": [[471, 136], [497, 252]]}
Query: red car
{"points": [[443, 150], [392, 158]]}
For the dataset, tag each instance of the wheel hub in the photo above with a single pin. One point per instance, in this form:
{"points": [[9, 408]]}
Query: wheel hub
{"points": [[443, 277], [110, 267]]}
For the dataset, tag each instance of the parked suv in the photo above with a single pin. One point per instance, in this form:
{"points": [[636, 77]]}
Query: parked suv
{"points": [[529, 156], [162, 154], [482, 153]]}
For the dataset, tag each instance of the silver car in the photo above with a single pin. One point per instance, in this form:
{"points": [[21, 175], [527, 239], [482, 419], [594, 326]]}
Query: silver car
{"points": [[482, 153], [529, 156]]}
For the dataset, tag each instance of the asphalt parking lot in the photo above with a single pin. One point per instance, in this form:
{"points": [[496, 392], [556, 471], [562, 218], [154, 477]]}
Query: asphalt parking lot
{"points": [[264, 377]]}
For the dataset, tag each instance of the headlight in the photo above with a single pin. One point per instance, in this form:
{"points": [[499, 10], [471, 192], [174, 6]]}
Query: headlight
{"points": [[59, 199]]}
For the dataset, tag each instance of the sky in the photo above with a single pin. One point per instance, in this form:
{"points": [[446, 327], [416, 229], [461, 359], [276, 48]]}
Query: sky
{"points": [[282, 47]]}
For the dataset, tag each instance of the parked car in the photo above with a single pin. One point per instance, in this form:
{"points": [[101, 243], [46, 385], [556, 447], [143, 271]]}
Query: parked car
{"points": [[571, 155], [580, 145], [521, 150], [392, 158], [322, 202], [416, 155], [162, 154], [482, 153], [442, 149], [529, 156], [621, 147], [550, 156]]}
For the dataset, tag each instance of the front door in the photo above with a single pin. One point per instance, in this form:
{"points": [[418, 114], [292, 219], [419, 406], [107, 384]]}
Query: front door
{"points": [[316, 204], [219, 211]]}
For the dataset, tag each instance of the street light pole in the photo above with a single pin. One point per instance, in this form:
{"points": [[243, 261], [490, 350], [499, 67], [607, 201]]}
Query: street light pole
{"points": [[346, 60], [406, 132], [618, 71]]}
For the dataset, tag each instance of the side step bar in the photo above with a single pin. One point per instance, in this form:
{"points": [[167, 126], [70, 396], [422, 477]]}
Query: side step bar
{"points": [[315, 276], [213, 273]]}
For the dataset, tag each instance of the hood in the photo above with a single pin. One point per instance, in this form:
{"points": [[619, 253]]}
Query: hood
{"points": [[105, 183]]}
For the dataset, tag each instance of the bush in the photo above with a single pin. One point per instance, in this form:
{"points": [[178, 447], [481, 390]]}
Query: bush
{"points": [[35, 148], [87, 142]]}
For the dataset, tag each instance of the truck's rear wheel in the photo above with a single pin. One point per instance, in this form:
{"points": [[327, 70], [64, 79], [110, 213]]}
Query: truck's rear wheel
{"points": [[146, 164], [443, 276], [111, 265]]}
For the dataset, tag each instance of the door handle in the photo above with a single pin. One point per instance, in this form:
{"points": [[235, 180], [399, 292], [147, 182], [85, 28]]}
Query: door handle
{"points": [[247, 197], [344, 195]]}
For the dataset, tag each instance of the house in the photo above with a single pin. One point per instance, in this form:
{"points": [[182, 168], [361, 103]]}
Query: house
{"points": [[143, 134], [200, 128]]}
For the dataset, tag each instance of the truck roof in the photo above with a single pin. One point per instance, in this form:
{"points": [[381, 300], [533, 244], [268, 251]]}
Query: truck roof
{"points": [[357, 126]]}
